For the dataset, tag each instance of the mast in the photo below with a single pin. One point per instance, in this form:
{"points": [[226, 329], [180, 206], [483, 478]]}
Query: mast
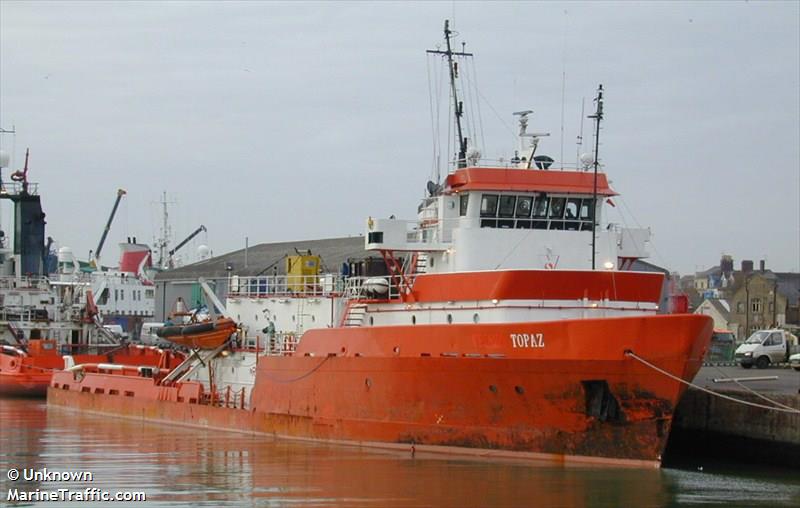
{"points": [[459, 105], [165, 232], [597, 117]]}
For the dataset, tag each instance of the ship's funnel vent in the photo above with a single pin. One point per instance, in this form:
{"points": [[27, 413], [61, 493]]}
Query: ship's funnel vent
{"points": [[600, 402]]}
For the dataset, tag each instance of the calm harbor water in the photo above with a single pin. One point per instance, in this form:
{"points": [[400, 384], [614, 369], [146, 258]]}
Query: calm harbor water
{"points": [[187, 467]]}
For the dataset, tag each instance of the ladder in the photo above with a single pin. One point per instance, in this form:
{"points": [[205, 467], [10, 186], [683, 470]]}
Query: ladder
{"points": [[354, 316]]}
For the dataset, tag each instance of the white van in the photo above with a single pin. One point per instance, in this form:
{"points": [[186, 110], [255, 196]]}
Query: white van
{"points": [[765, 347]]}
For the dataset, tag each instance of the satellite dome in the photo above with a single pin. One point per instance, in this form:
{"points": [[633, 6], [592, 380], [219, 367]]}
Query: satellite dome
{"points": [[203, 251], [587, 160], [65, 255]]}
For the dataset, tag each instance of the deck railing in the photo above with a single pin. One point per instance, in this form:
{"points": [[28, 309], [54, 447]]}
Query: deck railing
{"points": [[27, 282], [286, 285]]}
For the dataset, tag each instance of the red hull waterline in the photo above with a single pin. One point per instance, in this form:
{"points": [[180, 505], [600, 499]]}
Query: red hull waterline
{"points": [[574, 396]]}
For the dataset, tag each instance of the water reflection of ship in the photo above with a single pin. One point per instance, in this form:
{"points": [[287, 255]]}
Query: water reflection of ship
{"points": [[203, 467], [22, 440]]}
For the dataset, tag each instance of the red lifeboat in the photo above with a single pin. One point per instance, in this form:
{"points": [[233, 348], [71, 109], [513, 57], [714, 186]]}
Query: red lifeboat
{"points": [[206, 335]]}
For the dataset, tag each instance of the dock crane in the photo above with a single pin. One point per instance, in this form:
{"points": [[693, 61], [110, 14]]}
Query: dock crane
{"points": [[184, 242], [96, 258]]}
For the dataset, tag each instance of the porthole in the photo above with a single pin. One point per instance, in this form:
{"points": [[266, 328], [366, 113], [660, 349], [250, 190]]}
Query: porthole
{"points": [[493, 388], [449, 319], [396, 350], [520, 390], [413, 319], [368, 383], [475, 318]]}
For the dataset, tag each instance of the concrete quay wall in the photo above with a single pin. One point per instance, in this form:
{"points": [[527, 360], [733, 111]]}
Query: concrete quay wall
{"points": [[709, 425]]}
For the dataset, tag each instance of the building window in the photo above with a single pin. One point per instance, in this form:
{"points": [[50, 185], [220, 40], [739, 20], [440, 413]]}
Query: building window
{"points": [[740, 307], [771, 306], [755, 305]]}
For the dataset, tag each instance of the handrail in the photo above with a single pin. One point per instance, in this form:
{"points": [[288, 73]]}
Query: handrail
{"points": [[509, 163], [25, 282], [363, 288], [286, 285], [13, 188]]}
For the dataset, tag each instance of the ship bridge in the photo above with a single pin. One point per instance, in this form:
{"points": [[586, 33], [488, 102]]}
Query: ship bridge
{"points": [[489, 218]]}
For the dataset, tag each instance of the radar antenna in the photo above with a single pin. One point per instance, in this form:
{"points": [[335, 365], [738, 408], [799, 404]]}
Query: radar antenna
{"points": [[523, 133]]}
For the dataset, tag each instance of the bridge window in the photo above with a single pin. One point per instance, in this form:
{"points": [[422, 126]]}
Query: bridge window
{"points": [[462, 204], [507, 206], [540, 207], [506, 209], [539, 212], [524, 206], [489, 205], [557, 208], [586, 209]]}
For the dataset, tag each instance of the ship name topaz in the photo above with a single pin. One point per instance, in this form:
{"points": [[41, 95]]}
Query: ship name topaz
{"points": [[527, 340]]}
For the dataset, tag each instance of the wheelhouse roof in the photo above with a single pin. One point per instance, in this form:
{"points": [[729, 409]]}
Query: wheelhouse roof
{"points": [[528, 180]]}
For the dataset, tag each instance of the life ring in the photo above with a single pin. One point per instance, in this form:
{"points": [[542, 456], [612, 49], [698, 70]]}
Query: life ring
{"points": [[18, 176], [549, 266]]}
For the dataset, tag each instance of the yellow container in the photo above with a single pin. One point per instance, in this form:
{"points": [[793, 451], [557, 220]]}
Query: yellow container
{"points": [[301, 272]]}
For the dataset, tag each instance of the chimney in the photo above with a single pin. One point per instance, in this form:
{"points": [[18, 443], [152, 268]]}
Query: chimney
{"points": [[726, 264], [762, 265], [747, 266]]}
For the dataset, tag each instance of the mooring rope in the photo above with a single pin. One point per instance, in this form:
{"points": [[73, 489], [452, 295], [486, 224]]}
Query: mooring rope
{"points": [[706, 390]]}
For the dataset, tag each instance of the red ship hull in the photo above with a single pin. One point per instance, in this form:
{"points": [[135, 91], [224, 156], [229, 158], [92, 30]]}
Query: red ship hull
{"points": [[31, 375], [457, 388]]}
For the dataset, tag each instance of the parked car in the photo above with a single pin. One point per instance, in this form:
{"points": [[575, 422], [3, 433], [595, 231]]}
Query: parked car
{"points": [[765, 347], [794, 361]]}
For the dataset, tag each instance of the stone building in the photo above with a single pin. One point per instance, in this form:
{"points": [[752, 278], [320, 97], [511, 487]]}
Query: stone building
{"points": [[758, 300]]}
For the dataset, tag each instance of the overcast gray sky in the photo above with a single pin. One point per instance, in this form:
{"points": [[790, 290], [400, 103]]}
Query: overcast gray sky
{"points": [[282, 121]]}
